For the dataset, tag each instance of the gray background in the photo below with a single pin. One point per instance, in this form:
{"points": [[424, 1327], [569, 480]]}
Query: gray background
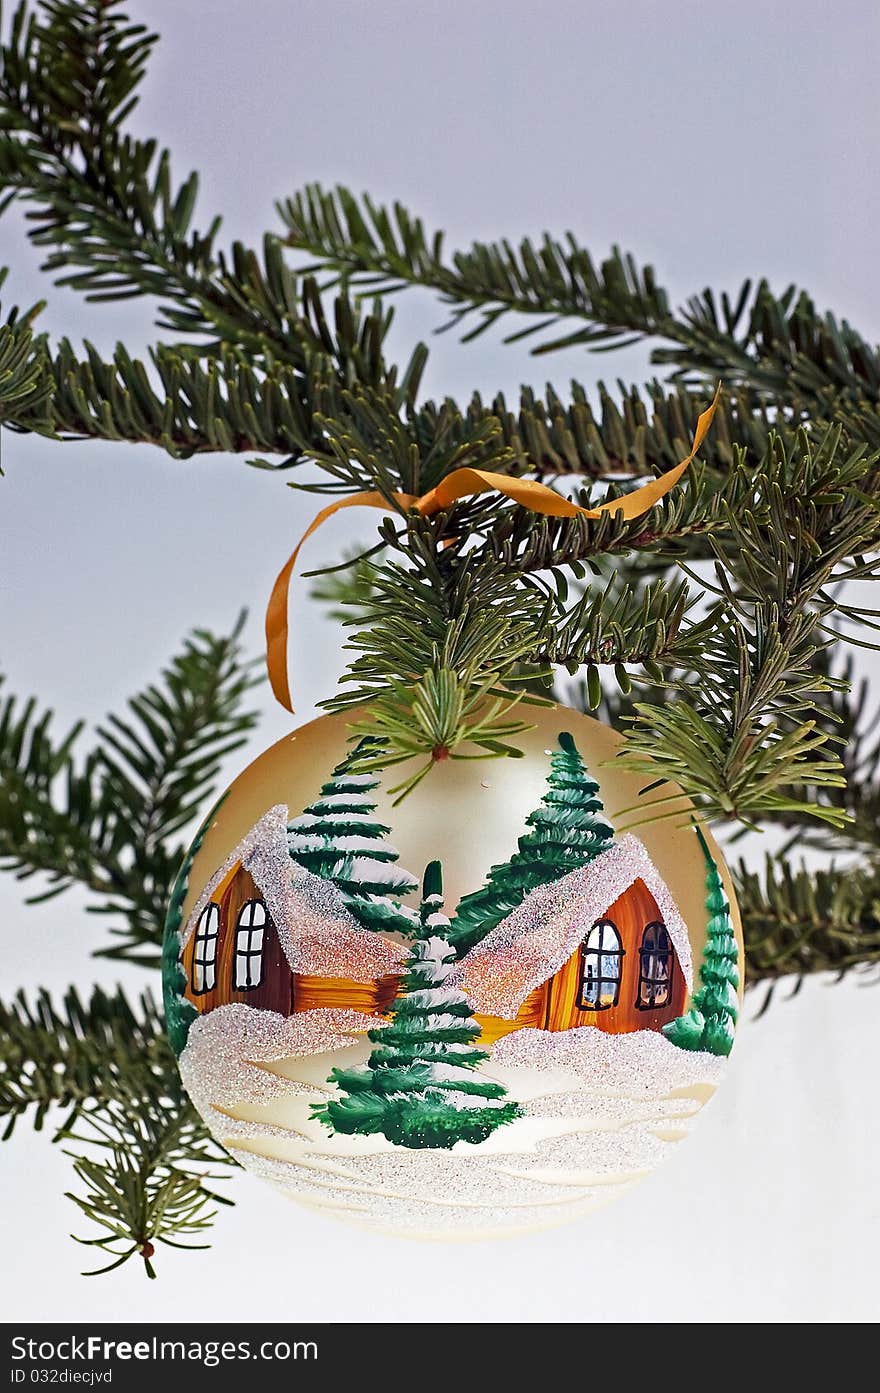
{"points": [[715, 141]]}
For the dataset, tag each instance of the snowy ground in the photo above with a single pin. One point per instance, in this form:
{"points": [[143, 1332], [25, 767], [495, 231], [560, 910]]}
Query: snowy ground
{"points": [[600, 1112]]}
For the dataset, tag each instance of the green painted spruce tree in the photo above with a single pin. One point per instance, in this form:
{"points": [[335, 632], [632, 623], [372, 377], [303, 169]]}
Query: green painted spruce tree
{"points": [[568, 830], [419, 1087], [710, 1022], [338, 838]]}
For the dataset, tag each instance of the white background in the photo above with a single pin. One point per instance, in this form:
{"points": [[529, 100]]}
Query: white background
{"points": [[717, 142]]}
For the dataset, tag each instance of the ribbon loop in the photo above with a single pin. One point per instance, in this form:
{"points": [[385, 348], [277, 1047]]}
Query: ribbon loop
{"points": [[463, 483]]}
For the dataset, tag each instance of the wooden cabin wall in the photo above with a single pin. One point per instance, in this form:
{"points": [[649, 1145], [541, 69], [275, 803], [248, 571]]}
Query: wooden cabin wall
{"points": [[630, 914], [373, 998], [275, 992]]}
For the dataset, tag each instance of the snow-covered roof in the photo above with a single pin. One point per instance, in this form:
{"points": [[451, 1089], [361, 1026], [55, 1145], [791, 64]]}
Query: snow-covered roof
{"points": [[540, 935], [319, 935]]}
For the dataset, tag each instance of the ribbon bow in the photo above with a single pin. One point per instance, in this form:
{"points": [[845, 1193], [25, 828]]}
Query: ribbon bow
{"points": [[461, 483]]}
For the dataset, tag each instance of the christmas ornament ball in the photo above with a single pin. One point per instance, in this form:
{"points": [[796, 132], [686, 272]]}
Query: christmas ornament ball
{"points": [[487, 1009]]}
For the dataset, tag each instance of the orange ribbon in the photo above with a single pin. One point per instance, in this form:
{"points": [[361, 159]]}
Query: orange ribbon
{"points": [[461, 483]]}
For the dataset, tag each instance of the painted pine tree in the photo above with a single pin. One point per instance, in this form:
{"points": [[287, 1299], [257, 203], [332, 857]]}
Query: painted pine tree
{"points": [[338, 838], [710, 1022], [419, 1087], [567, 831]]}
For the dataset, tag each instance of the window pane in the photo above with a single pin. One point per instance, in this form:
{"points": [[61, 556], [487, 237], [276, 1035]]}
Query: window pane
{"points": [[252, 914], [601, 962], [655, 967], [205, 949], [248, 962]]}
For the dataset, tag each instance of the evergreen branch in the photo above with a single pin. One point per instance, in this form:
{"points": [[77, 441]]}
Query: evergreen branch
{"points": [[104, 203], [365, 440], [742, 733], [80, 1053], [799, 921], [105, 206], [740, 730], [851, 718], [384, 249], [147, 1174], [640, 432], [443, 610], [187, 405], [779, 346], [149, 1162], [23, 385], [111, 822], [184, 406], [618, 624], [680, 526]]}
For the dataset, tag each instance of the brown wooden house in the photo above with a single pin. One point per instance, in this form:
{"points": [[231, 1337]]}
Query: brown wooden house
{"points": [[604, 946], [267, 933]]}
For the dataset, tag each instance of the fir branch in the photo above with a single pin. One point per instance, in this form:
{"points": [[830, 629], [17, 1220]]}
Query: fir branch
{"points": [[777, 345], [186, 405], [23, 384], [442, 609], [104, 202], [383, 249], [111, 822], [678, 527], [641, 431], [850, 716], [149, 1165], [800, 921], [147, 1176], [105, 206], [79, 1053], [742, 730], [619, 624]]}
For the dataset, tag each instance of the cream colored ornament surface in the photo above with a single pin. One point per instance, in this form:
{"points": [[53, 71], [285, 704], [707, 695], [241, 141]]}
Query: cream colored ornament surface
{"points": [[559, 1052]]}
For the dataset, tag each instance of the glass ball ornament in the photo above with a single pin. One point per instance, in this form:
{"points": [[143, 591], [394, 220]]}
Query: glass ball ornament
{"points": [[488, 1009]]}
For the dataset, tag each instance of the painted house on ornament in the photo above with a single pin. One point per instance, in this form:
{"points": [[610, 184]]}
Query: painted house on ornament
{"points": [[269, 933], [604, 945]]}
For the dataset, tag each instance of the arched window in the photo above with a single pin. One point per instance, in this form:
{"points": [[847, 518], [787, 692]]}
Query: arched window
{"points": [[656, 961], [248, 961], [204, 969], [601, 964]]}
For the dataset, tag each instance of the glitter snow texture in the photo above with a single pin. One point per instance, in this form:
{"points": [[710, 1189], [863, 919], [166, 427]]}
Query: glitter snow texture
{"points": [[599, 1112]]}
